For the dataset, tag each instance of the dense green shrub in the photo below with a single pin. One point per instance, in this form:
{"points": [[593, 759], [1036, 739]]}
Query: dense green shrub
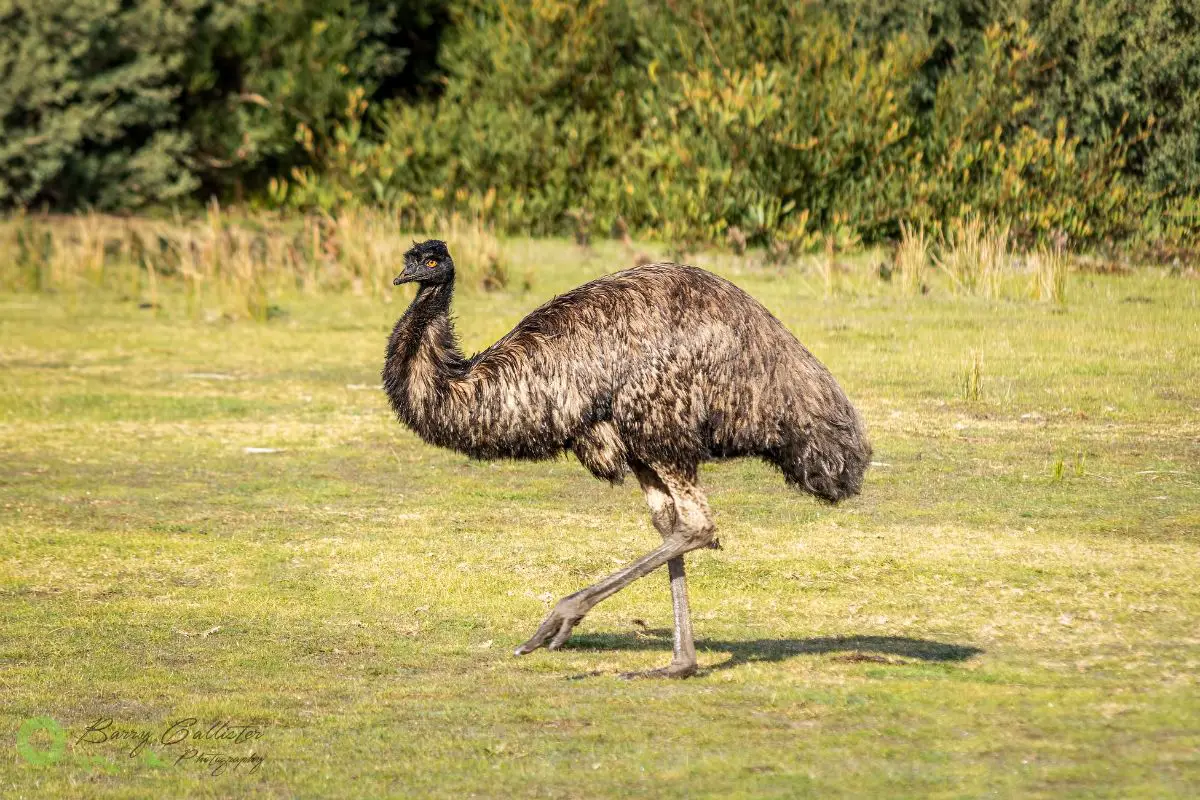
{"points": [[1103, 65], [1111, 61], [779, 120], [684, 119], [119, 103], [88, 102], [264, 74]]}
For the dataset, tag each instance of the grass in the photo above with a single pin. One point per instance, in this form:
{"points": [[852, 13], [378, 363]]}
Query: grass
{"points": [[1010, 608], [912, 258], [975, 257], [231, 264], [972, 380], [1050, 271]]}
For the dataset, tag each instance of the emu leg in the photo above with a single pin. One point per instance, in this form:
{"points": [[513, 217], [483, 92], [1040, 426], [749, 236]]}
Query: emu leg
{"points": [[557, 626], [692, 529], [683, 660], [658, 497], [662, 512], [683, 645]]}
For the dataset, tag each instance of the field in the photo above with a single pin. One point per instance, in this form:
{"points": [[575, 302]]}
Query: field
{"points": [[218, 519]]}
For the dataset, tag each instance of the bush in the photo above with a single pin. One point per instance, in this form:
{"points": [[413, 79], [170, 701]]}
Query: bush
{"points": [[1116, 65], [780, 120], [1104, 65], [119, 104], [88, 103], [697, 121], [265, 74]]}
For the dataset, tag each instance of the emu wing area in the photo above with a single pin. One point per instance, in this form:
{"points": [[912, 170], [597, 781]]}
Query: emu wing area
{"points": [[663, 363]]}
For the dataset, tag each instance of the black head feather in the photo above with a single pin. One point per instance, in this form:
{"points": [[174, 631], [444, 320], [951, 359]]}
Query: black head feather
{"points": [[427, 262]]}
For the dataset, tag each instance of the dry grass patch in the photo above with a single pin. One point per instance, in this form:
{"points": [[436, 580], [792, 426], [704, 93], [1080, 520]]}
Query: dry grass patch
{"points": [[974, 255]]}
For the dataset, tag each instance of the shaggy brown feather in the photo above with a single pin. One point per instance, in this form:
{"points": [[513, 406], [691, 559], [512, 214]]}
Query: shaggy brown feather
{"points": [[662, 364]]}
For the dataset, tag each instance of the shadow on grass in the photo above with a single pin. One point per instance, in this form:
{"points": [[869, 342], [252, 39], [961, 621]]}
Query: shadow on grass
{"points": [[857, 648]]}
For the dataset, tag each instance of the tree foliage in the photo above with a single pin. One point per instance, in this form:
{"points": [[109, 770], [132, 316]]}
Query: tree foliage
{"points": [[683, 119], [88, 102], [120, 103], [691, 118]]}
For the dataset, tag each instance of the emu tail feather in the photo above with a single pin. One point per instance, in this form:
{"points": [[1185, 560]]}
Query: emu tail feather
{"points": [[828, 460]]}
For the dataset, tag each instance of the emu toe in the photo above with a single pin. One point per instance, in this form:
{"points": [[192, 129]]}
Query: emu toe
{"points": [[672, 671], [553, 631]]}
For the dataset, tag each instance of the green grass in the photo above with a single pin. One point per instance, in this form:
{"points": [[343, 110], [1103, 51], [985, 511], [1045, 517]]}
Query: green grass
{"points": [[1009, 609]]}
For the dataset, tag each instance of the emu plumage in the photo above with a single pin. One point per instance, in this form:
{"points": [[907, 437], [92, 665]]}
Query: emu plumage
{"points": [[653, 370]]}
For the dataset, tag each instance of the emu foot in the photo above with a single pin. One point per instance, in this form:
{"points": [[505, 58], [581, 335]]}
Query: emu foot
{"points": [[555, 629], [672, 671]]}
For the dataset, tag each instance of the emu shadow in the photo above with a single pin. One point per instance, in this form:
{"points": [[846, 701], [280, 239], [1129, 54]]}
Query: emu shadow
{"points": [[857, 648]]}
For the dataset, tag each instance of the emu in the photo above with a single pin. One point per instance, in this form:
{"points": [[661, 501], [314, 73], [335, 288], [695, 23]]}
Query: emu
{"points": [[652, 370]]}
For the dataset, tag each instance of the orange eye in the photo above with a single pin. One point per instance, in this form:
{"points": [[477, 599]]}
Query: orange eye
{"points": [[431, 263]]}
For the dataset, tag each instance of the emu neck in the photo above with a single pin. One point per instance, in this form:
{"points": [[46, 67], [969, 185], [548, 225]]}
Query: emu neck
{"points": [[423, 358]]}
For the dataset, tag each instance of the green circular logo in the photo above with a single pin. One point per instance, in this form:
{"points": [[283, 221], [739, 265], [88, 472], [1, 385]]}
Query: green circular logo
{"points": [[27, 749]]}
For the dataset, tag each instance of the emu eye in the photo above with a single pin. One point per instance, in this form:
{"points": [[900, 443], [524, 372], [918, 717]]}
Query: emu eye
{"points": [[431, 263]]}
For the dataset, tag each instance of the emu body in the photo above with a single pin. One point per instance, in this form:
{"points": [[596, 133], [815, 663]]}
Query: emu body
{"points": [[653, 370]]}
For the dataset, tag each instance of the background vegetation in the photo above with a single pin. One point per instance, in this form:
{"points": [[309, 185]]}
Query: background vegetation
{"points": [[695, 121], [118, 104]]}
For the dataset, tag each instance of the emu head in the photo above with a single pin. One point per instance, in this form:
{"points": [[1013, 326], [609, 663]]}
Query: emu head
{"points": [[427, 262]]}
